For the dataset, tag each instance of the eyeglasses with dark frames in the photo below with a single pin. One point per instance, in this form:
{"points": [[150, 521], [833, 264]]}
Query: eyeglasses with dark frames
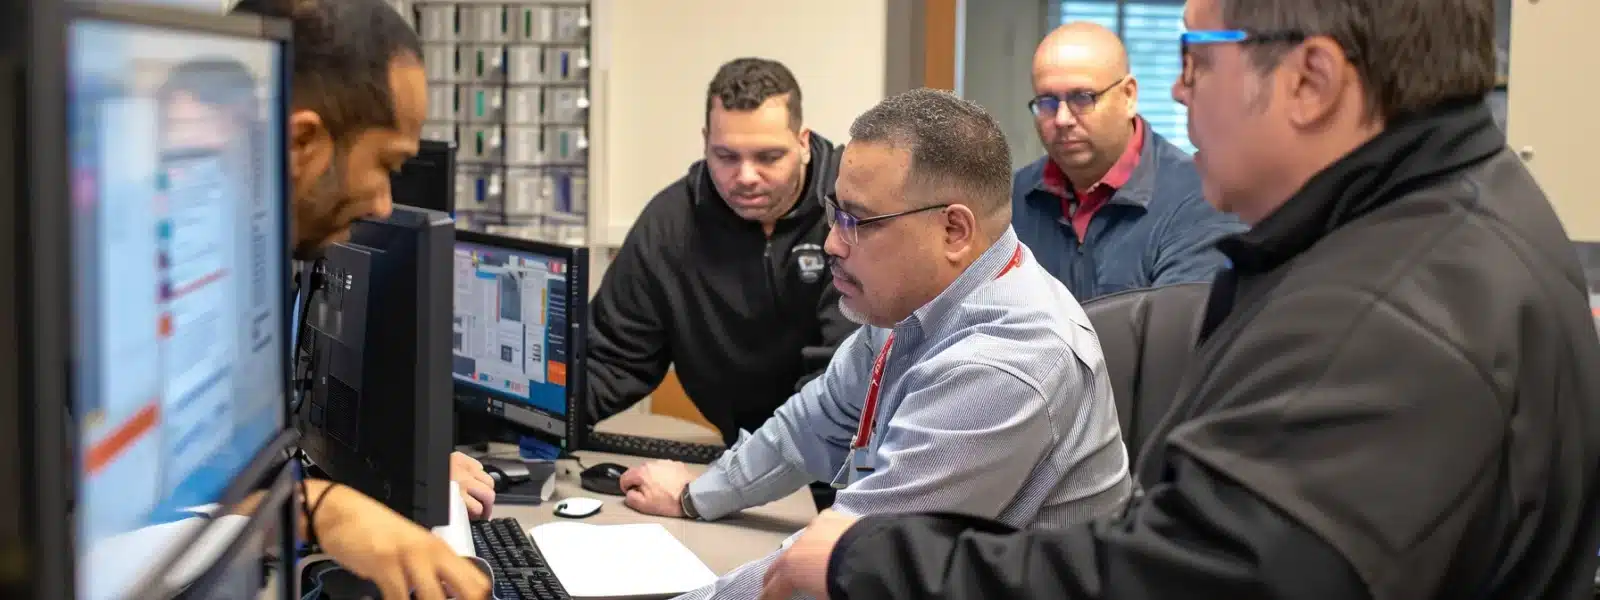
{"points": [[1189, 39], [848, 225], [1079, 102]]}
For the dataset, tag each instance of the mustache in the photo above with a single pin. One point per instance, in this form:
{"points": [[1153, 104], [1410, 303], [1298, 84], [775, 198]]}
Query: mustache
{"points": [[839, 272]]}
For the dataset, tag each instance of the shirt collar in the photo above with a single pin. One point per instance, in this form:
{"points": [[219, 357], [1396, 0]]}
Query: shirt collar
{"points": [[978, 273]]}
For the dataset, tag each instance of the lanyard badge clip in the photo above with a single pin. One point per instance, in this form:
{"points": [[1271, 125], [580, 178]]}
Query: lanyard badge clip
{"points": [[840, 480]]}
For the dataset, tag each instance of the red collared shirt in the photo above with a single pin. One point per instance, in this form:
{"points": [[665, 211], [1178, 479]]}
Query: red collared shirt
{"points": [[1079, 210]]}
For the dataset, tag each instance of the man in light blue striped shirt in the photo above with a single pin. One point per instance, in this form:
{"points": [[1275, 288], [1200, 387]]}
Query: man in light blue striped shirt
{"points": [[977, 375]]}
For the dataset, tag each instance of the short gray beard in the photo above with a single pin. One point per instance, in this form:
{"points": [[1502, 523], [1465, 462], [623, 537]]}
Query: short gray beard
{"points": [[850, 314]]}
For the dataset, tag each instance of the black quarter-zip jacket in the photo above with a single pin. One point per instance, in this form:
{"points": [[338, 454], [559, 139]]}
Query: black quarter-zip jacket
{"points": [[743, 317]]}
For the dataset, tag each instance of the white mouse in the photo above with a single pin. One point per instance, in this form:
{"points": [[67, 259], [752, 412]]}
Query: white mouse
{"points": [[578, 508]]}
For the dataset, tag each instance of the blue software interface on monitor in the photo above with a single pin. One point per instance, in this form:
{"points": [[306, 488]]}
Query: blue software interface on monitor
{"points": [[178, 292], [510, 330]]}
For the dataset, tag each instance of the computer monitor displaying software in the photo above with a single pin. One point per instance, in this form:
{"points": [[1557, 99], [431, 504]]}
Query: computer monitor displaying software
{"points": [[178, 268], [520, 309]]}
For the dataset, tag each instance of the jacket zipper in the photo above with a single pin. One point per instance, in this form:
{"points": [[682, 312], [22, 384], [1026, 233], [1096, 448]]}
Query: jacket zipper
{"points": [[772, 275]]}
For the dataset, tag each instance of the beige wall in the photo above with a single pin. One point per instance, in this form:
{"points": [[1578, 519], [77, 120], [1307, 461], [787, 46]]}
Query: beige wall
{"points": [[1553, 96], [653, 59]]}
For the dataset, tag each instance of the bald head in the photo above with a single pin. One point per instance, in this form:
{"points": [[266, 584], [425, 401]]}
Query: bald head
{"points": [[1084, 100], [1081, 47]]}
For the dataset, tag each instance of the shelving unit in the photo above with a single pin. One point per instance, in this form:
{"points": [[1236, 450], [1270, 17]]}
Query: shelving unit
{"points": [[508, 82]]}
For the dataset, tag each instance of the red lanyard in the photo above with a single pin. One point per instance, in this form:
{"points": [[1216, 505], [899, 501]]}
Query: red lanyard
{"points": [[869, 412]]}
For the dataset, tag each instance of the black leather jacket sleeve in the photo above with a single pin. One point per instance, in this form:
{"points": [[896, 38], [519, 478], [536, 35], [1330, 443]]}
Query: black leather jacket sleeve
{"points": [[1196, 536]]}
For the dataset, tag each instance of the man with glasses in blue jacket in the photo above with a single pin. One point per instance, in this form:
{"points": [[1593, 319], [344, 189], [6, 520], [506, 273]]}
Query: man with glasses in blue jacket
{"points": [[1112, 205]]}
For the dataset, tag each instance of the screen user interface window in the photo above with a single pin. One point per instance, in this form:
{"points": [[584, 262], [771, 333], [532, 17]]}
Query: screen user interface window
{"points": [[177, 270], [510, 327]]}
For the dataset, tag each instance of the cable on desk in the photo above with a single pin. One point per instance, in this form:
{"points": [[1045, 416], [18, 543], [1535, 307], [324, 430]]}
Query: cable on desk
{"points": [[317, 589], [573, 458]]}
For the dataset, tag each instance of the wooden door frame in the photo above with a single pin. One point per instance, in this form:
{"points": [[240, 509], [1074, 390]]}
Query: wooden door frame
{"points": [[922, 42]]}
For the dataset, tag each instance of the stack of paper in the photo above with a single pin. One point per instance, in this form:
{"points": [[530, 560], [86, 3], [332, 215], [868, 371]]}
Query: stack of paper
{"points": [[606, 562]]}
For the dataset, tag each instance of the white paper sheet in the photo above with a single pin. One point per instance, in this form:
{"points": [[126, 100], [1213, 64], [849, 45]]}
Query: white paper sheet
{"points": [[587, 558]]}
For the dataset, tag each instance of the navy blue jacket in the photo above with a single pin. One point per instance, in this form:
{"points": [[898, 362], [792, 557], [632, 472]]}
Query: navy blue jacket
{"points": [[1156, 230]]}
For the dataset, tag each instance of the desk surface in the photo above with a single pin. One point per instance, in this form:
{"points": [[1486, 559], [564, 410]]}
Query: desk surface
{"points": [[722, 545]]}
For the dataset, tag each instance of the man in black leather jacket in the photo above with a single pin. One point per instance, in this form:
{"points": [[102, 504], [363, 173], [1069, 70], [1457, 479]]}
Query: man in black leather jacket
{"points": [[1396, 393]]}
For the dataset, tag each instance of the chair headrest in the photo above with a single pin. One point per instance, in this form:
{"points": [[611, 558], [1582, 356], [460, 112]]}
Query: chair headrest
{"points": [[1147, 336]]}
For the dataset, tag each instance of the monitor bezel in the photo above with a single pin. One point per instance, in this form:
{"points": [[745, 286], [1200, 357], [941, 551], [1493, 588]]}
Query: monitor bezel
{"points": [[40, 354], [272, 459], [577, 258]]}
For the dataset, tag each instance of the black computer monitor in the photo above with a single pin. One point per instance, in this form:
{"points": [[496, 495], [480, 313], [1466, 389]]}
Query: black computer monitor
{"points": [[377, 417], [518, 338], [145, 235], [428, 180]]}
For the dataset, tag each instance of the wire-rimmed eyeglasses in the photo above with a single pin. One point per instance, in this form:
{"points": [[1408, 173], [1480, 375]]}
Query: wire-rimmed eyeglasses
{"points": [[1079, 102], [847, 224]]}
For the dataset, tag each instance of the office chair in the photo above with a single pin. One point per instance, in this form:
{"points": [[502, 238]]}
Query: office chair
{"points": [[1148, 337]]}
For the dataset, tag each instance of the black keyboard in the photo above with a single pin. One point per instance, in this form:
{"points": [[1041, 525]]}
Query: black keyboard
{"points": [[648, 447], [520, 572]]}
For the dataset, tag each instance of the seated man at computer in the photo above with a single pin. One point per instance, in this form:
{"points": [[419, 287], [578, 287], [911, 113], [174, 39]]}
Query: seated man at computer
{"points": [[723, 277], [976, 386]]}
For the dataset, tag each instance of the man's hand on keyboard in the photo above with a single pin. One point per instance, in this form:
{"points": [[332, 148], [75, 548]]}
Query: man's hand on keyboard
{"points": [[379, 545], [657, 487], [477, 487]]}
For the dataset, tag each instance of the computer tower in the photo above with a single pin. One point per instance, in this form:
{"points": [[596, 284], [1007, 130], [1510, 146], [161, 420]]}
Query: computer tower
{"points": [[377, 417]]}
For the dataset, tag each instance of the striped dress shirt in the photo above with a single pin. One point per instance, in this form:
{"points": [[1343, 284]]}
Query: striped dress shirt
{"points": [[994, 402]]}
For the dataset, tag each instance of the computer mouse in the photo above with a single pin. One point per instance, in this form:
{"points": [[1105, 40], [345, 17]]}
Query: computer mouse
{"points": [[578, 508], [604, 478], [505, 473]]}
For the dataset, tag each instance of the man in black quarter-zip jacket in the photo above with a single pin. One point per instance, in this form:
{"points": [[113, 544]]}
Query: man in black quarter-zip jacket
{"points": [[723, 276]]}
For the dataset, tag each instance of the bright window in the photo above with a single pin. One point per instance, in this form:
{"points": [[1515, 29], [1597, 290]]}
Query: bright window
{"points": [[1149, 29]]}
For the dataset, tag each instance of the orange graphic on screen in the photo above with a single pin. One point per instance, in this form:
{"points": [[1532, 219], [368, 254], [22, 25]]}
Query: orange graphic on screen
{"points": [[137, 426], [557, 373]]}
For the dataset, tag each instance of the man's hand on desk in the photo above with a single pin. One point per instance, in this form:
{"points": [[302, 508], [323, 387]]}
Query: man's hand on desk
{"points": [[379, 545], [657, 487], [477, 487]]}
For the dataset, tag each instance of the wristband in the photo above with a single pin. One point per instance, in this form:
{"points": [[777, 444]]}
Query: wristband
{"points": [[687, 506], [310, 509]]}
